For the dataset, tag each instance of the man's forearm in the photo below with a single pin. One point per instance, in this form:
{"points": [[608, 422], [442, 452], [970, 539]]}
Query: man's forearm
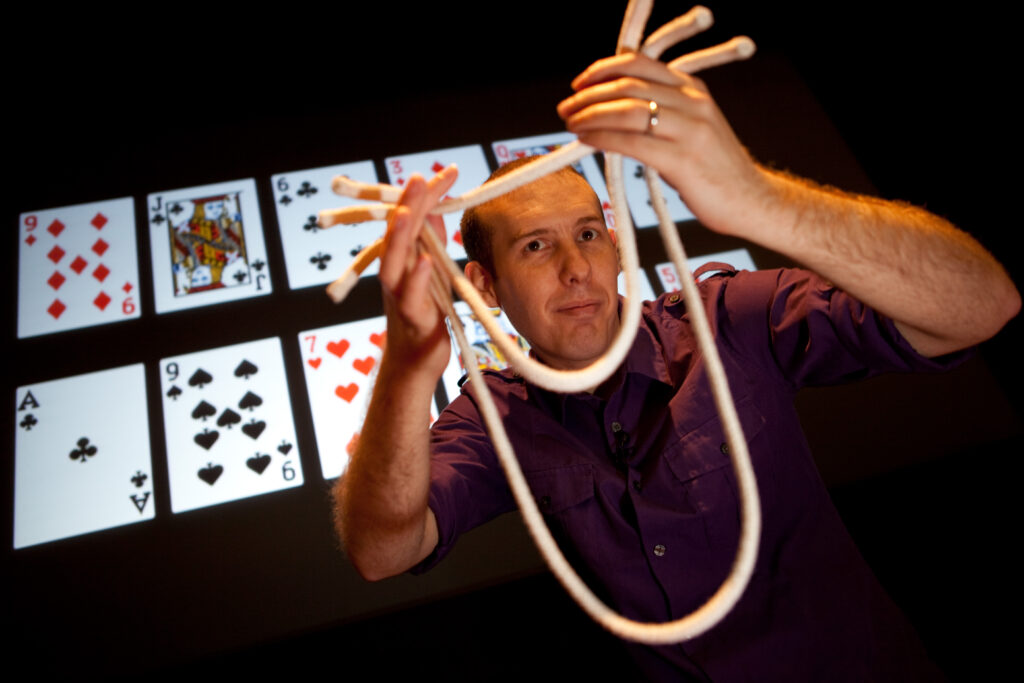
{"points": [[943, 289], [381, 508]]}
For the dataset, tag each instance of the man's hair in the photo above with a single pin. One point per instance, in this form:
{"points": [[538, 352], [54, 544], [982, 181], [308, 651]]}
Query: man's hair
{"points": [[476, 234]]}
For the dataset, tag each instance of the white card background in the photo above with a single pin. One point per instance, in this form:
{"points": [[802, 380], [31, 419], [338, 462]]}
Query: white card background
{"points": [[473, 171], [639, 198], [646, 292], [340, 364], [77, 267], [57, 496], [507, 150], [737, 258], [194, 454], [313, 255], [176, 207]]}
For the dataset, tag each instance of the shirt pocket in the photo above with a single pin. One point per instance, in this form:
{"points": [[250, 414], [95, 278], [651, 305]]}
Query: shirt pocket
{"points": [[702, 468], [560, 489]]}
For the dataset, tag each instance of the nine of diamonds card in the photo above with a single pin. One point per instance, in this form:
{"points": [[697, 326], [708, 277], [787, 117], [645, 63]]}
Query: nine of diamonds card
{"points": [[81, 455], [207, 245], [228, 424], [340, 364], [510, 150], [473, 171], [313, 255], [77, 267]]}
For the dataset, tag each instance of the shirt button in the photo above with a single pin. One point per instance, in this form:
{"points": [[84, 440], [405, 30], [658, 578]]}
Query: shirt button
{"points": [[616, 427], [674, 298], [545, 502], [636, 485], [659, 550], [724, 448]]}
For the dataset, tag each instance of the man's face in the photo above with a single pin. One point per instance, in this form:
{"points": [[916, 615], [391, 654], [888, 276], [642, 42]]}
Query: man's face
{"points": [[555, 268]]}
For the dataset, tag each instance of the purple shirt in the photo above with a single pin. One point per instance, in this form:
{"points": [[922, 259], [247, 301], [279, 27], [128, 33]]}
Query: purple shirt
{"points": [[637, 487]]}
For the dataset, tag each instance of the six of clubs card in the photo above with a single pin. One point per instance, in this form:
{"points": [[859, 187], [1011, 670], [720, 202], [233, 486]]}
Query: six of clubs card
{"points": [[228, 424], [77, 267], [313, 255], [207, 245], [473, 171], [340, 364], [82, 460]]}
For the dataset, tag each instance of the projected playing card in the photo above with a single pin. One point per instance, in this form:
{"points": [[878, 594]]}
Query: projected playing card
{"points": [[509, 150], [81, 455], [228, 424], [737, 258], [314, 255], [645, 291], [473, 171], [77, 267], [487, 353], [640, 199], [207, 245], [340, 364]]}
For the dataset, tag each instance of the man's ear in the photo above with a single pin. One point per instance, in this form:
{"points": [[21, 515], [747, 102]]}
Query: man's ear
{"points": [[484, 283]]}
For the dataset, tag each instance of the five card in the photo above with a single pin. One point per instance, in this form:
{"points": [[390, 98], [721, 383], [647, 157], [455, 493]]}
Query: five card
{"points": [[739, 259]]}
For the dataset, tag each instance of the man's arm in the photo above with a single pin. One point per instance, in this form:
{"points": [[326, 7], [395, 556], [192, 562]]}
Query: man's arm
{"points": [[381, 511], [941, 287]]}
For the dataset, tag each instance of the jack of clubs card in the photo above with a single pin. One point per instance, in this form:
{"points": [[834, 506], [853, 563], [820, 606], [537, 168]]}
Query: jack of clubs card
{"points": [[207, 245], [228, 424], [81, 452]]}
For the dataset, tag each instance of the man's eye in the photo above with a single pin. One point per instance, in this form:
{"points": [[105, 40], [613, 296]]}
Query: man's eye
{"points": [[588, 235], [534, 245]]}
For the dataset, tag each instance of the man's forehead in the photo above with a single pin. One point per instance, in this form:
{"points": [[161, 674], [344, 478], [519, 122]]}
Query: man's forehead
{"points": [[549, 194]]}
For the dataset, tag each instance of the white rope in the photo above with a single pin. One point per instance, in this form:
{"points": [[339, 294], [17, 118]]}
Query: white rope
{"points": [[719, 604]]}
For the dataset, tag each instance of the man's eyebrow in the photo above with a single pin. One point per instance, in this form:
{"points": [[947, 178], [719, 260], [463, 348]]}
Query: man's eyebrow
{"points": [[537, 232]]}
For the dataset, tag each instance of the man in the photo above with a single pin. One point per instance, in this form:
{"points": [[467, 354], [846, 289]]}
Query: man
{"points": [[632, 477]]}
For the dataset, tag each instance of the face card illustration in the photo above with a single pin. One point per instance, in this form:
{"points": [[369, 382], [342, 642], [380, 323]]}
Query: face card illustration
{"points": [[645, 291], [473, 171], [487, 353], [207, 245], [640, 200], [509, 150], [314, 255], [228, 424], [77, 267], [81, 455], [737, 258], [340, 364]]}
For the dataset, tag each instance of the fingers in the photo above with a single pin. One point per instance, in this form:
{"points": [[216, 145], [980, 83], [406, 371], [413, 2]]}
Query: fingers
{"points": [[631, 64]]}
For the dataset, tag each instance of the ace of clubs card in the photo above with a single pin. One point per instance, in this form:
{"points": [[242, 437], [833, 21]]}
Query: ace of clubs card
{"points": [[639, 197], [340, 364], [207, 245], [314, 255], [228, 424], [473, 171], [77, 267], [82, 458]]}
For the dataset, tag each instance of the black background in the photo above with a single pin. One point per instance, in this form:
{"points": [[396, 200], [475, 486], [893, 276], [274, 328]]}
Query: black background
{"points": [[920, 467]]}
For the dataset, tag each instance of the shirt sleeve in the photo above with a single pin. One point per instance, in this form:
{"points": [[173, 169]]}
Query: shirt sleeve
{"points": [[467, 483], [812, 333]]}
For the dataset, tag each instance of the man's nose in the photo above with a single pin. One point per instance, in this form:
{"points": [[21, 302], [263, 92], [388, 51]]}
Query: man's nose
{"points": [[575, 265]]}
